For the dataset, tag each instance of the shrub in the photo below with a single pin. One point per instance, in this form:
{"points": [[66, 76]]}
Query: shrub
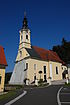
{"points": [[40, 81]]}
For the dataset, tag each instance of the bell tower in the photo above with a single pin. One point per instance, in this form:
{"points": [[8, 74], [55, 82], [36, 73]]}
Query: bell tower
{"points": [[25, 35], [24, 40]]}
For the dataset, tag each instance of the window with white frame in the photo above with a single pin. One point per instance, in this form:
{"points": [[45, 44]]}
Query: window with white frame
{"points": [[26, 66], [44, 69], [26, 36], [34, 77], [56, 70]]}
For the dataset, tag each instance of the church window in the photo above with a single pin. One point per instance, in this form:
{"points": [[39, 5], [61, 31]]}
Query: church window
{"points": [[45, 78], [44, 69], [20, 53], [34, 77], [56, 70], [26, 65], [26, 36], [34, 66], [0, 79]]}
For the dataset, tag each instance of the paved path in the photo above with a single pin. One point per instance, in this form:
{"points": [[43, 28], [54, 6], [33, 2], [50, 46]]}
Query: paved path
{"points": [[65, 96], [41, 96]]}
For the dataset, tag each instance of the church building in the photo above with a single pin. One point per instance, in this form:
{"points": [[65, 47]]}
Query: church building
{"points": [[33, 62]]}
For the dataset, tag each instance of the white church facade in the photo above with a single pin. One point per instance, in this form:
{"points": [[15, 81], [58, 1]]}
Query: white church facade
{"points": [[31, 60]]}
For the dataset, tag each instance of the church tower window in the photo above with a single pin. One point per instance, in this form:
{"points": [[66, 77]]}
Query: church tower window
{"points": [[26, 36]]}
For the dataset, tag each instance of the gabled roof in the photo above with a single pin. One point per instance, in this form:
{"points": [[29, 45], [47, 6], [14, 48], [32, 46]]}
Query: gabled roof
{"points": [[2, 57], [43, 54]]}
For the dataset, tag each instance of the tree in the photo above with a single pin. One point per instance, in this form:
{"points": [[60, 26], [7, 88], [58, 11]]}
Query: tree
{"points": [[63, 50], [7, 77]]}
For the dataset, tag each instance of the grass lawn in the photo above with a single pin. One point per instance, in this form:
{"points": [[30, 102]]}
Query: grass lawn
{"points": [[9, 94], [12, 90]]}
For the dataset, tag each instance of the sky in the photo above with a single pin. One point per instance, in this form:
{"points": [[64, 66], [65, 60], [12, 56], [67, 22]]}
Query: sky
{"points": [[48, 20]]}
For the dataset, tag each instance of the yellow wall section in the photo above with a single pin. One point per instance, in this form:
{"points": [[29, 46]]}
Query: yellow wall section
{"points": [[2, 74], [40, 64], [24, 54], [54, 75], [31, 71]]}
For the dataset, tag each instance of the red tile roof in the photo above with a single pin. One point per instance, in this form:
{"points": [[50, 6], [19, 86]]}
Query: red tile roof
{"points": [[2, 57], [48, 54]]}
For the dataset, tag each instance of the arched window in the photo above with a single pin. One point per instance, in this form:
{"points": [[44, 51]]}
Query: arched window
{"points": [[26, 36], [44, 69], [56, 70], [26, 66]]}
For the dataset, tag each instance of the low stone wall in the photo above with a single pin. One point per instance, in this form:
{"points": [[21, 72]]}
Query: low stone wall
{"points": [[9, 88], [12, 87]]}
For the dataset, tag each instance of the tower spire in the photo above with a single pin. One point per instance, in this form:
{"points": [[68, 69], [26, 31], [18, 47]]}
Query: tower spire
{"points": [[25, 23], [24, 14]]}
